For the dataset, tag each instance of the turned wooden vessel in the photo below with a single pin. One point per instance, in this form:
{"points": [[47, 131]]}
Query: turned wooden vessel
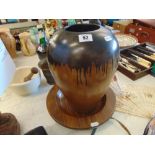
{"points": [[82, 59]]}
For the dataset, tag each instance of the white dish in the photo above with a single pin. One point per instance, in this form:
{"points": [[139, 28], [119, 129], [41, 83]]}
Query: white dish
{"points": [[25, 88]]}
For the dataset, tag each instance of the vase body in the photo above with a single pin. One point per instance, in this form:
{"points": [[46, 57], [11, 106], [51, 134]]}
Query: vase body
{"points": [[83, 59]]}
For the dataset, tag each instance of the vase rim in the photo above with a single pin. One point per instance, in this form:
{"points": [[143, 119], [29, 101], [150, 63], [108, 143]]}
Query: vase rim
{"points": [[79, 28]]}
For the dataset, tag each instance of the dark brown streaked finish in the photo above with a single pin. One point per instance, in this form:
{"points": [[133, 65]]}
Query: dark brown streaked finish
{"points": [[75, 120], [83, 70], [83, 90]]}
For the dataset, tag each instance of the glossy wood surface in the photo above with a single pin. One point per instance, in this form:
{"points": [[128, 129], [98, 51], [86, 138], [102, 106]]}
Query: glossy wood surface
{"points": [[83, 90], [83, 69], [68, 117]]}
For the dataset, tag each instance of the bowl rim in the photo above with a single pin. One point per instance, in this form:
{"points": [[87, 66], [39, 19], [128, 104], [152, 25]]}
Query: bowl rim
{"points": [[24, 83]]}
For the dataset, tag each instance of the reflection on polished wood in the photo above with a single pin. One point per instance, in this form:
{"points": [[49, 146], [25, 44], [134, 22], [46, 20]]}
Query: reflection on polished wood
{"points": [[83, 90], [62, 112]]}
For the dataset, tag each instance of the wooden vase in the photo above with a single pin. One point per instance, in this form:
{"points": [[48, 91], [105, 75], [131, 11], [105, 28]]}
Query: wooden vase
{"points": [[83, 59]]}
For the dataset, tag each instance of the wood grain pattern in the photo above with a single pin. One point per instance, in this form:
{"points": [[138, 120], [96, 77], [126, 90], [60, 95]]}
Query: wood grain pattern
{"points": [[82, 70], [85, 90], [69, 117]]}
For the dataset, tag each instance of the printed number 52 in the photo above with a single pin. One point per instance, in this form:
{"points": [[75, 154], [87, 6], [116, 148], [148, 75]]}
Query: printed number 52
{"points": [[85, 37]]}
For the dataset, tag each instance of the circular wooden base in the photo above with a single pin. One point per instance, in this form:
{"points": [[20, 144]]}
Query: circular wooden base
{"points": [[76, 121]]}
